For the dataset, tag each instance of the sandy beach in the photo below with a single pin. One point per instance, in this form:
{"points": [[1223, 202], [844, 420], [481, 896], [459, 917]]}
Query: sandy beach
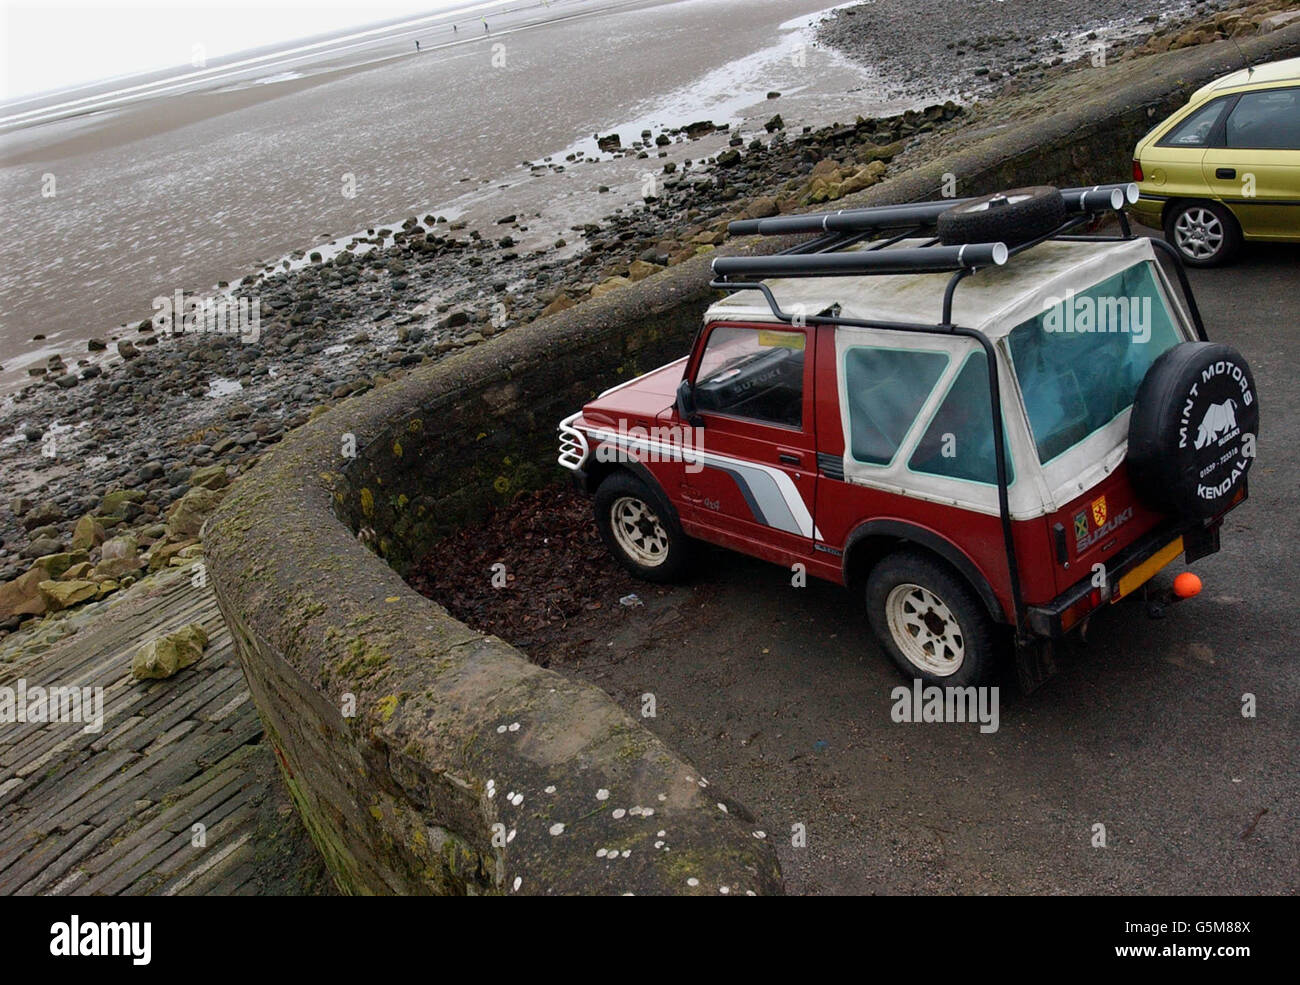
{"points": [[186, 191]]}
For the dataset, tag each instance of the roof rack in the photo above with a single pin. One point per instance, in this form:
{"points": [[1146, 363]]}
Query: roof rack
{"points": [[1098, 198], [819, 257]]}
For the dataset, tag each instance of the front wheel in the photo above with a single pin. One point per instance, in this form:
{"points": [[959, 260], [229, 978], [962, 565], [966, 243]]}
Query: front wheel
{"points": [[1205, 234], [639, 529], [930, 622]]}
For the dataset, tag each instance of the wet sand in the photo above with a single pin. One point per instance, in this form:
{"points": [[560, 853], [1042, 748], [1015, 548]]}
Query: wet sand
{"points": [[202, 187]]}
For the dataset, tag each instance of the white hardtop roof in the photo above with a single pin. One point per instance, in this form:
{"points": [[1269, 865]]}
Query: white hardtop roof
{"points": [[983, 300]]}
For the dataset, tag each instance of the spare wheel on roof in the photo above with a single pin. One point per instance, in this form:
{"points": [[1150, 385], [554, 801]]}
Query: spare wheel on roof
{"points": [[1012, 217], [1192, 434]]}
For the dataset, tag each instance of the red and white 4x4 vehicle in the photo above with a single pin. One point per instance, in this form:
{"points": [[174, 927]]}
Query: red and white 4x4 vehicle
{"points": [[844, 410]]}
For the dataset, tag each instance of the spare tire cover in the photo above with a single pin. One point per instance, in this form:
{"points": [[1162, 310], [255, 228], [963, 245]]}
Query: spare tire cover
{"points": [[1193, 430]]}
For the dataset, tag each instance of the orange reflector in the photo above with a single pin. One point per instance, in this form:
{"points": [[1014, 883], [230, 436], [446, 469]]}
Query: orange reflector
{"points": [[1186, 585]]}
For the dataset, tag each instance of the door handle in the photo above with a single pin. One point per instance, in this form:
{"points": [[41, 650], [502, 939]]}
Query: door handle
{"points": [[1225, 173], [788, 459]]}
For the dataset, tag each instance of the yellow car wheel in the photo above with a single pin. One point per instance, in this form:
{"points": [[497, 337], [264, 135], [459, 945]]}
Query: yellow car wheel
{"points": [[1205, 234]]}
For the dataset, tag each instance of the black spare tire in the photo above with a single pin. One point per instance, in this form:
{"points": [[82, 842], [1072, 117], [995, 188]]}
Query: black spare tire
{"points": [[1192, 434], [1012, 217]]}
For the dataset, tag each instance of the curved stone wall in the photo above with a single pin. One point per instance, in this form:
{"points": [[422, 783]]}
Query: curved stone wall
{"points": [[426, 757]]}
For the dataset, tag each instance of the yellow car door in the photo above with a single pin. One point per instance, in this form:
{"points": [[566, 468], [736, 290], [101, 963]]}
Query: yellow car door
{"points": [[1256, 171]]}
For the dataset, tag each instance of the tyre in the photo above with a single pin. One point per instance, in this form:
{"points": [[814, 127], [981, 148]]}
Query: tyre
{"points": [[1012, 217], [930, 621], [640, 529], [1193, 430], [1205, 234]]}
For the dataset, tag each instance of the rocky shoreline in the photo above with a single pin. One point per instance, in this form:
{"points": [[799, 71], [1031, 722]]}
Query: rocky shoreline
{"points": [[113, 457]]}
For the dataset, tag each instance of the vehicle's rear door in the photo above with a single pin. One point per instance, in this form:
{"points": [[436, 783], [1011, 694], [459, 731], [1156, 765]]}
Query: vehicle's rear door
{"points": [[752, 480], [1256, 168]]}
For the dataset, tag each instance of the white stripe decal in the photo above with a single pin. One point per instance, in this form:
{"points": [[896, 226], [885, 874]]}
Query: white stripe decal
{"points": [[789, 492]]}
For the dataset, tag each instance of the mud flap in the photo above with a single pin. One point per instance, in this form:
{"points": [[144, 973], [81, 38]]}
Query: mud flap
{"points": [[1035, 664]]}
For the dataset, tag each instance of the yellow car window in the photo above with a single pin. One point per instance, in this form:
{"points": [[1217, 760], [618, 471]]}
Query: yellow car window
{"points": [[1195, 131], [1266, 120]]}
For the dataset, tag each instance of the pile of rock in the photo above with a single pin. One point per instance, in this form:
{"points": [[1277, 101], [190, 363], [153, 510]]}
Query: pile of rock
{"points": [[108, 548], [1260, 17], [784, 175]]}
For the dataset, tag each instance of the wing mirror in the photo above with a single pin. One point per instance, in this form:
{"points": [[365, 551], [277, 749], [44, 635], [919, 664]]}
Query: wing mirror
{"points": [[686, 409]]}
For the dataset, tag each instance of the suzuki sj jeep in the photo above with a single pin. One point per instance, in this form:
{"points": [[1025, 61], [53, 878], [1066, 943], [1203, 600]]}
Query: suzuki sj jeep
{"points": [[974, 414]]}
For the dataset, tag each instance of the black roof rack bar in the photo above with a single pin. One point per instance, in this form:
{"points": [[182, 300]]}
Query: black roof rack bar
{"points": [[909, 260], [1095, 199], [1184, 285], [1019, 248], [824, 319], [838, 241], [897, 238], [829, 241], [848, 220]]}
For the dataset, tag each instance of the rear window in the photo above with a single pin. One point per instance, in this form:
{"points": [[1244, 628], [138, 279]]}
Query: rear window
{"points": [[1079, 363], [1198, 128]]}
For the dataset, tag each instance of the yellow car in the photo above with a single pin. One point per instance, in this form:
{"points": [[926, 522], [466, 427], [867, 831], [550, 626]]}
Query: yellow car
{"points": [[1226, 167]]}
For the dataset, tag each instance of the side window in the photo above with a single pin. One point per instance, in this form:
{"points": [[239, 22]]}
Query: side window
{"points": [[1197, 129], [958, 443], [1266, 120], [753, 373], [885, 390]]}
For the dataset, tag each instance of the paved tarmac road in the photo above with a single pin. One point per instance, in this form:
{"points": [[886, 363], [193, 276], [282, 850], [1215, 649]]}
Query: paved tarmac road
{"points": [[782, 698]]}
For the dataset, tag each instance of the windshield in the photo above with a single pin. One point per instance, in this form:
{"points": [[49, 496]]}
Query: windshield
{"points": [[1080, 361]]}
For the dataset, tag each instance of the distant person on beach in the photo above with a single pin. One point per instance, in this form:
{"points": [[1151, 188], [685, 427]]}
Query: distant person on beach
{"points": [[417, 45]]}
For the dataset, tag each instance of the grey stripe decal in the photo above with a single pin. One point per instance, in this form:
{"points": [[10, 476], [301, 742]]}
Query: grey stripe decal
{"points": [[769, 492], [745, 491], [763, 497]]}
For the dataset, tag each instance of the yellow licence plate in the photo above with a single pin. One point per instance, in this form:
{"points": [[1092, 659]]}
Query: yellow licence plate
{"points": [[1140, 575]]}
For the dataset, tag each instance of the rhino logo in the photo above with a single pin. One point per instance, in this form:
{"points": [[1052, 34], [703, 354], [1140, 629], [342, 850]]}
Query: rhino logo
{"points": [[1219, 420]]}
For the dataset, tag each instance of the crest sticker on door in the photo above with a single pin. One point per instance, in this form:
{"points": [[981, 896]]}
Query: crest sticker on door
{"points": [[1099, 511]]}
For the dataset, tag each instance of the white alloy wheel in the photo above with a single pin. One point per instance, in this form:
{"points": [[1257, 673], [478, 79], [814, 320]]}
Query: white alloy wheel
{"points": [[638, 532], [925, 630], [1198, 233]]}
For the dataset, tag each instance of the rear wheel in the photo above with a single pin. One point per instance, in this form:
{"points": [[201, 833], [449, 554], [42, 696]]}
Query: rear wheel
{"points": [[640, 529], [1205, 234], [929, 621]]}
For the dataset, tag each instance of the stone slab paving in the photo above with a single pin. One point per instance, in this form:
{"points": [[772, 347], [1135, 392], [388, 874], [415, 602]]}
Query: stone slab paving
{"points": [[114, 811]]}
